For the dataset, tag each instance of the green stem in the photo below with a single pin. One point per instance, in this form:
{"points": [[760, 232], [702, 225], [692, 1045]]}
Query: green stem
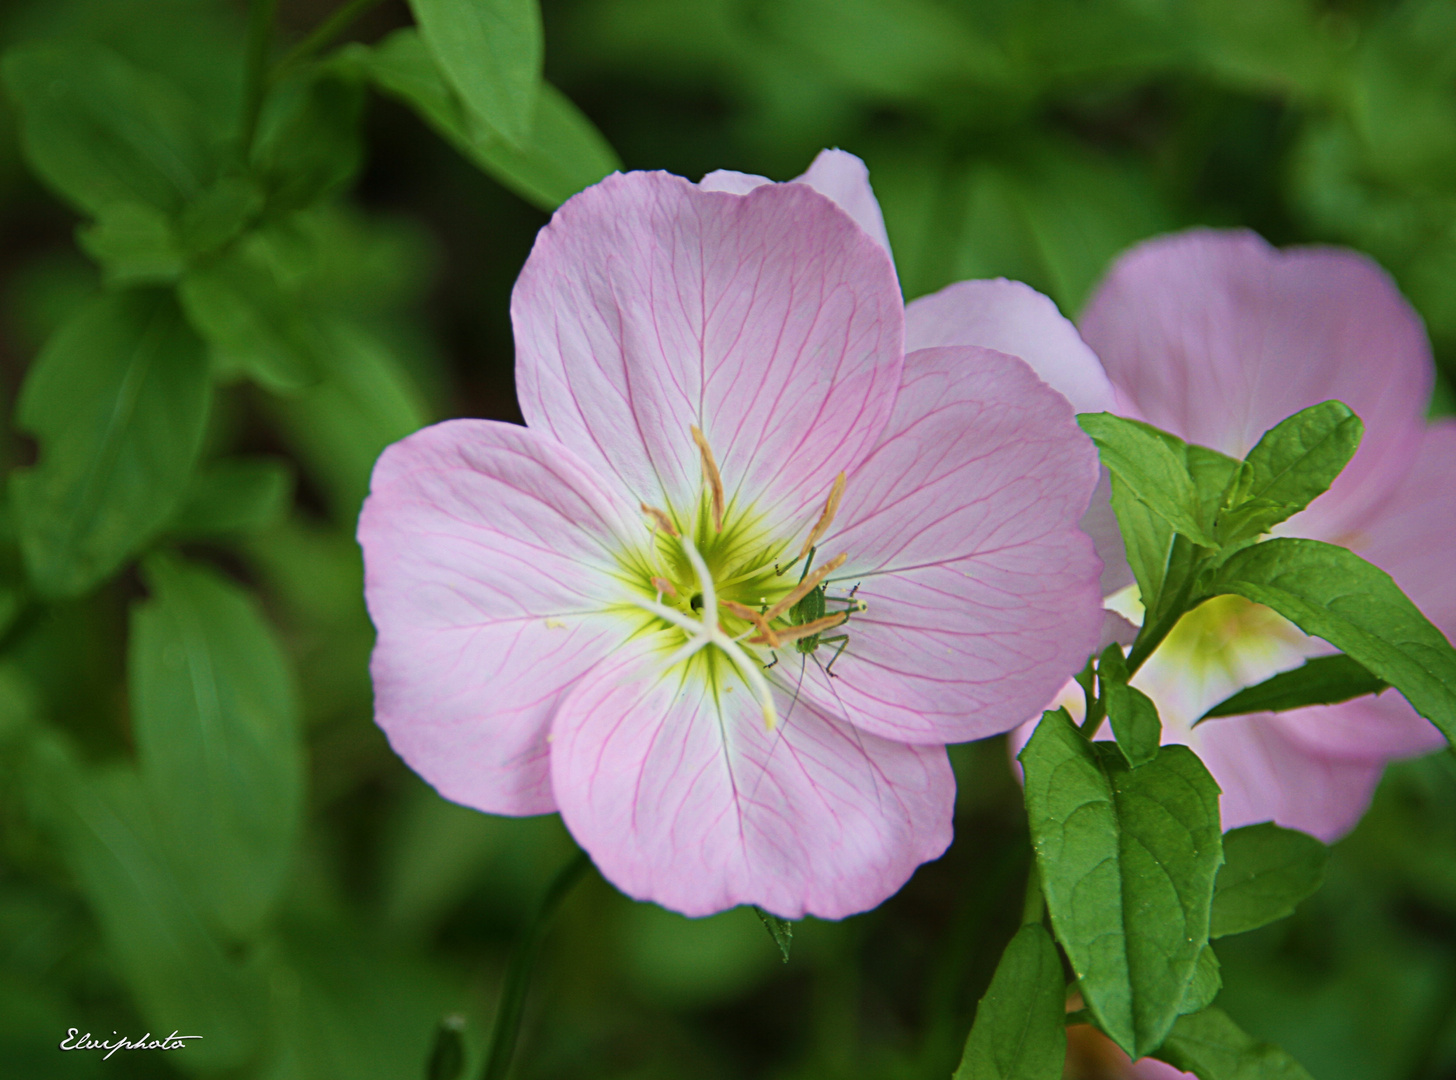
{"points": [[324, 34], [260, 35], [507, 1028], [1033, 907]]}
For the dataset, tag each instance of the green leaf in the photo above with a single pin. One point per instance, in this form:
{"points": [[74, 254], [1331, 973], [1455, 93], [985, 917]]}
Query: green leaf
{"points": [[1151, 465], [1267, 871], [119, 401], [447, 1057], [565, 152], [490, 52], [1212, 1047], [1020, 1029], [134, 243], [1127, 858], [100, 130], [215, 717], [252, 324], [1334, 594], [1294, 463], [781, 930], [1147, 539], [1207, 981], [236, 496], [219, 214], [1320, 680], [310, 144], [1135, 723]]}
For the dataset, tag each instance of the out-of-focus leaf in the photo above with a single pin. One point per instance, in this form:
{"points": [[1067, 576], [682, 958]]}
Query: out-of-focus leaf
{"points": [[252, 325], [1321, 680], [100, 130], [1291, 465], [563, 154], [219, 214], [119, 401], [180, 976], [1020, 1029], [134, 243], [1334, 594], [1207, 981], [447, 1058], [235, 496], [1267, 871], [1270, 46], [216, 722], [490, 52], [1127, 860], [1212, 1047], [310, 143]]}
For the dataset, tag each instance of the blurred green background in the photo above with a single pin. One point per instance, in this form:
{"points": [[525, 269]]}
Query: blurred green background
{"points": [[1028, 138]]}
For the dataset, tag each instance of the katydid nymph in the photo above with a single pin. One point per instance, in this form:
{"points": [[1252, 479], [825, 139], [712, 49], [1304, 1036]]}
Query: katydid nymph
{"points": [[813, 606]]}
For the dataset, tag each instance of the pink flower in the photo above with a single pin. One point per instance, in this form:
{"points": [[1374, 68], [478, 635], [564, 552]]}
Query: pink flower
{"points": [[1216, 336], [597, 612]]}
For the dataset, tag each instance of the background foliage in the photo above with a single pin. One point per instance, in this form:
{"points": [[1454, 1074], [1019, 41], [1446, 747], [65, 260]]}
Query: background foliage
{"points": [[209, 350]]}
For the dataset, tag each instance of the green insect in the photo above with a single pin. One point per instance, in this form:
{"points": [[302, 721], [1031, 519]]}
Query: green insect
{"points": [[814, 605]]}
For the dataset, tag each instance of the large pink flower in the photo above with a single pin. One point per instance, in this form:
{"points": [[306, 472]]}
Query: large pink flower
{"points": [[1216, 336], [597, 613]]}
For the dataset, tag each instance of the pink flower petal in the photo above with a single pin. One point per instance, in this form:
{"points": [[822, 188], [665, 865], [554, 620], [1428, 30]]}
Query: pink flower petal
{"points": [[1015, 319], [961, 531], [770, 320], [488, 556], [1216, 337], [682, 797]]}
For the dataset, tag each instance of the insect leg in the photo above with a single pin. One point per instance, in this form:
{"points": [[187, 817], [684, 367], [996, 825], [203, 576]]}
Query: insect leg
{"points": [[843, 640]]}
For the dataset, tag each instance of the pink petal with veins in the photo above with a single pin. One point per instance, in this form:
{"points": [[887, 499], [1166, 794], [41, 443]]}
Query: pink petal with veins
{"points": [[488, 554], [961, 530], [683, 798], [770, 320]]}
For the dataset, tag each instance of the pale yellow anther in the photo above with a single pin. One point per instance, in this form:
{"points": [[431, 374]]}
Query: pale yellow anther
{"points": [[711, 475], [826, 519], [808, 629], [805, 587], [663, 521], [662, 585], [766, 633]]}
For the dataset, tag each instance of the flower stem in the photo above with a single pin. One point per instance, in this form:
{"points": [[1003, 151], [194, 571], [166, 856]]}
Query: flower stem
{"points": [[261, 14], [507, 1027], [324, 34]]}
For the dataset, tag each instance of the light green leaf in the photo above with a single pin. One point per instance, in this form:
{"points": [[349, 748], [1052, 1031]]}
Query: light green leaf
{"points": [[1267, 871], [100, 130], [1291, 465], [1320, 680], [118, 401], [490, 52], [134, 243], [1127, 859], [1135, 723], [235, 496], [564, 154], [1207, 981], [1334, 594], [1147, 539], [1212, 1047], [781, 930], [215, 717], [1020, 1029], [1150, 463]]}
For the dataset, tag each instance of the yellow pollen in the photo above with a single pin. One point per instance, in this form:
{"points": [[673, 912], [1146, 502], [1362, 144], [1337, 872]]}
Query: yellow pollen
{"points": [[808, 629], [826, 519], [805, 587], [663, 521], [662, 585], [711, 475], [766, 634]]}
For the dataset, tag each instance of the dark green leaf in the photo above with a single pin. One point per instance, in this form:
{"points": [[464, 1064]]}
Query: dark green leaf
{"points": [[490, 52], [1207, 981], [781, 930], [1267, 871], [1127, 858], [1321, 680], [100, 130], [447, 1057], [1212, 1047], [1291, 465], [219, 214], [235, 496], [118, 400], [215, 716], [310, 144], [1151, 465], [565, 152], [1334, 594], [1020, 1030]]}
